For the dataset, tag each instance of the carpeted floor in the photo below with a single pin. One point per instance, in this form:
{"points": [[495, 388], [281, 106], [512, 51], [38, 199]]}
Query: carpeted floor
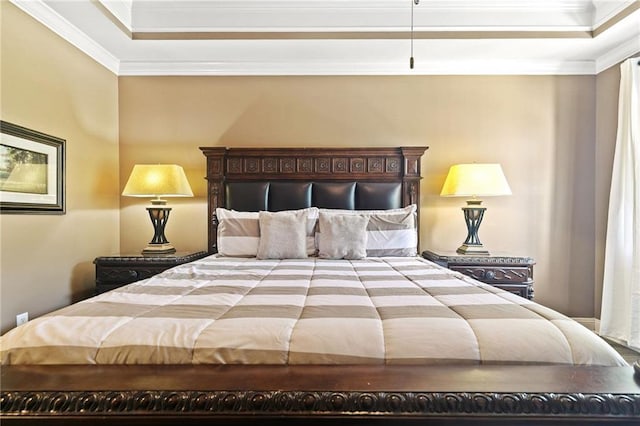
{"points": [[629, 355]]}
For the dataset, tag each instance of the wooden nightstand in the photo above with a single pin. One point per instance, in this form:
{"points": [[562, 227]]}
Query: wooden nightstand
{"points": [[511, 273], [116, 271]]}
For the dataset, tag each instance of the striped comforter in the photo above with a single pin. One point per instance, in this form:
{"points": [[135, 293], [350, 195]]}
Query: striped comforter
{"points": [[307, 311]]}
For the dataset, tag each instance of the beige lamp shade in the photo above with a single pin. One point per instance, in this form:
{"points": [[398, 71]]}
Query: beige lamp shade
{"points": [[157, 180], [475, 180]]}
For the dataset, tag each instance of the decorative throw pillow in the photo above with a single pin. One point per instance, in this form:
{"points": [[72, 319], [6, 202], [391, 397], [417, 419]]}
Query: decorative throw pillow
{"points": [[342, 236], [239, 232], [282, 235], [389, 232]]}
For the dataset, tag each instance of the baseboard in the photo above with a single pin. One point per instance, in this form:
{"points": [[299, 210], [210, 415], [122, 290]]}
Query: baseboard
{"points": [[592, 324]]}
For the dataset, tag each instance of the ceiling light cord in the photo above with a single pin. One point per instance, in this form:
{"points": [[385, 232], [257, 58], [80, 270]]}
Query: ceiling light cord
{"points": [[416, 2]]}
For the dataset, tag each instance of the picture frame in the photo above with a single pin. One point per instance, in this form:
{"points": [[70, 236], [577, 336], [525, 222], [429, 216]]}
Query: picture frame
{"points": [[32, 171]]}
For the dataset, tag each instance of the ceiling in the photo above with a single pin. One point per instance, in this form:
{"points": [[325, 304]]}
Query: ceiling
{"points": [[346, 37]]}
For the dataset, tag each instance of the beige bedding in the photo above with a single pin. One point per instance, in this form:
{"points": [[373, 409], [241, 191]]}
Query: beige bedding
{"points": [[306, 311]]}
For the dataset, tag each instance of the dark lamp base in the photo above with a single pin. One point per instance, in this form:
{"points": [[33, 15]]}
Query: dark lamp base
{"points": [[473, 218], [472, 249], [159, 244], [159, 249]]}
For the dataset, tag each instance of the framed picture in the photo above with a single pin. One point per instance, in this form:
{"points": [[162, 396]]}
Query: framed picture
{"points": [[31, 171]]}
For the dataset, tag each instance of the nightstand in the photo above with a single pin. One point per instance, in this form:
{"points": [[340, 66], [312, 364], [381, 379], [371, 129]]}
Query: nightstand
{"points": [[511, 273], [116, 271]]}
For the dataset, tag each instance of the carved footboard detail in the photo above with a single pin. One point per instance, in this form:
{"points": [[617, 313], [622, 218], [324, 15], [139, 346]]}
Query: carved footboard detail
{"points": [[422, 404]]}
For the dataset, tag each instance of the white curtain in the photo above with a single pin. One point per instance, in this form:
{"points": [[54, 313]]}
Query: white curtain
{"points": [[620, 317]]}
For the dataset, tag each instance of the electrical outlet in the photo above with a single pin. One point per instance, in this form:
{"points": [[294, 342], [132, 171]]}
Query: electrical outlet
{"points": [[22, 318]]}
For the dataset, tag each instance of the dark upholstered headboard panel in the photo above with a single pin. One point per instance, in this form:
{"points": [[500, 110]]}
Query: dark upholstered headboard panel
{"points": [[254, 179], [288, 195]]}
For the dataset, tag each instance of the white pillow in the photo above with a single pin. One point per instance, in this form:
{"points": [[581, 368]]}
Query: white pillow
{"points": [[342, 236], [239, 232], [282, 235], [391, 232]]}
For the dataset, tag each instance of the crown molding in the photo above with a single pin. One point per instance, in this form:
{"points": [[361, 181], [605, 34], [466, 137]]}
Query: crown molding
{"points": [[606, 10], [618, 54], [367, 15], [355, 34], [122, 10], [59, 25], [462, 67]]}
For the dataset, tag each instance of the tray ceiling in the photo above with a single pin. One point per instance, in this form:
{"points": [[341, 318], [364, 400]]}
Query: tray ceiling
{"points": [[346, 37]]}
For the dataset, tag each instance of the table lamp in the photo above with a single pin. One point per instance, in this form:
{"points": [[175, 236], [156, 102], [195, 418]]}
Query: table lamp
{"points": [[474, 180], [158, 180]]}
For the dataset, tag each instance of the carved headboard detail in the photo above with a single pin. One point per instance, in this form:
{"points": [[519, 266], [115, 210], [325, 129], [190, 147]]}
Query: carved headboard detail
{"points": [[230, 165]]}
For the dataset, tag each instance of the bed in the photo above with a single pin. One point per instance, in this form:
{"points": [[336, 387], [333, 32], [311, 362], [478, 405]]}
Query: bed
{"points": [[383, 337]]}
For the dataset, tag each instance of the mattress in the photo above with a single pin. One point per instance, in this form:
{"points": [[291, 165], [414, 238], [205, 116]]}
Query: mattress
{"points": [[221, 310]]}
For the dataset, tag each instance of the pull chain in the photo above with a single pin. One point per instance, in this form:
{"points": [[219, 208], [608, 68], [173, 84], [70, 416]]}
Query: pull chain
{"points": [[411, 58]]}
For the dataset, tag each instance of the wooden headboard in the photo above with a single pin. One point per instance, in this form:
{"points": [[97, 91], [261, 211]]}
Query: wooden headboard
{"points": [[383, 165]]}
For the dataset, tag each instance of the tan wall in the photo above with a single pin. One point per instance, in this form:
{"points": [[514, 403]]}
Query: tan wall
{"points": [[540, 128], [50, 86]]}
